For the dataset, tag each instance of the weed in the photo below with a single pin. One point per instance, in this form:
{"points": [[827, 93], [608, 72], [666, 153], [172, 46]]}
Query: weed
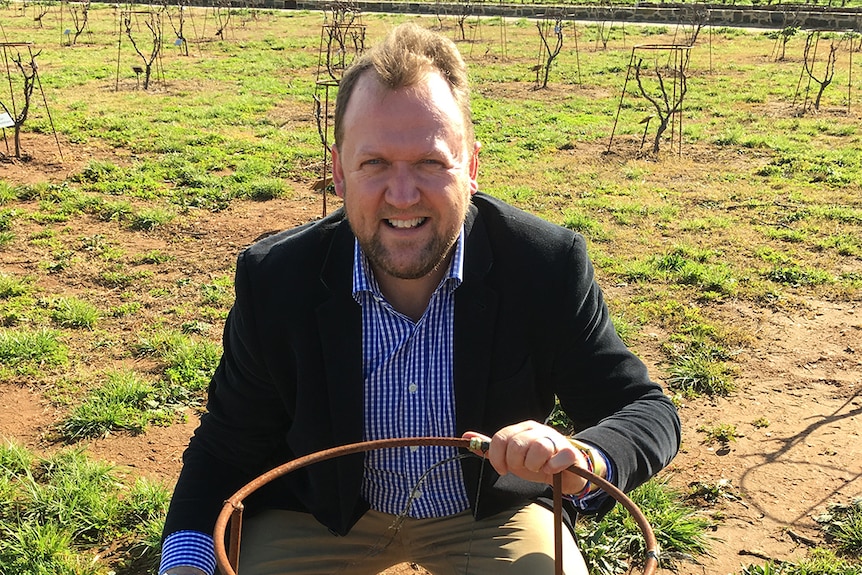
{"points": [[124, 309], [14, 459], [721, 433], [24, 351], [75, 313], [121, 279], [712, 492], [111, 211], [264, 189], [625, 328], [154, 257], [699, 369], [189, 364], [761, 422], [797, 276], [151, 218], [581, 223], [11, 286], [843, 525], [42, 548], [62, 507], [220, 292], [125, 401], [8, 193], [820, 561]]}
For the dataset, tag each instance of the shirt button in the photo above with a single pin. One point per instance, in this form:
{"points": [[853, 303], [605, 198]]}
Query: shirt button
{"points": [[412, 388], [417, 494], [414, 448]]}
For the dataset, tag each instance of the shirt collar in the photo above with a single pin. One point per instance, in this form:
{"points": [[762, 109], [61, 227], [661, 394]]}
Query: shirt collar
{"points": [[364, 280]]}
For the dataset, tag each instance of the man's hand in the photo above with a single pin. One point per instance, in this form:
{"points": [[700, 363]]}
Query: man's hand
{"points": [[535, 452]]}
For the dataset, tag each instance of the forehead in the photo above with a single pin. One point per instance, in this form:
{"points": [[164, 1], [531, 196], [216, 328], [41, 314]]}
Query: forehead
{"points": [[430, 94]]}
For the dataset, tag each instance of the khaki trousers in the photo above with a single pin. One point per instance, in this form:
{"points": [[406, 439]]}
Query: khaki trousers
{"points": [[515, 542]]}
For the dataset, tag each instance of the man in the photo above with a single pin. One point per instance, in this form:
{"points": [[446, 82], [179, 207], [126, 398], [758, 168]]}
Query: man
{"points": [[422, 308]]}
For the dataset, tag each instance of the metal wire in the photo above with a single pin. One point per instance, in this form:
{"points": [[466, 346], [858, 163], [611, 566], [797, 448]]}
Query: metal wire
{"points": [[228, 559]]}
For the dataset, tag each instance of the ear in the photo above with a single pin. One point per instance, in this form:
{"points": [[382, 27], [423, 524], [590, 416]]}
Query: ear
{"points": [[474, 168], [337, 172]]}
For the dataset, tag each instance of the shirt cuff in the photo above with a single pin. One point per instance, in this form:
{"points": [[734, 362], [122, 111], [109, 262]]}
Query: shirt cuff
{"points": [[188, 549]]}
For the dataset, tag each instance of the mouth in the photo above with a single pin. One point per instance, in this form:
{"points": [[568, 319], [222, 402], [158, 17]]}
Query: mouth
{"points": [[406, 224]]}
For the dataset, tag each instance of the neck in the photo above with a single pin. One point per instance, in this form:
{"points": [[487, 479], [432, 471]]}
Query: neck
{"points": [[410, 297]]}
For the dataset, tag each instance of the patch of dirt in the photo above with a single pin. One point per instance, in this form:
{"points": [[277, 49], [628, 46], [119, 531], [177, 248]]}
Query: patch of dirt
{"points": [[800, 371], [801, 374]]}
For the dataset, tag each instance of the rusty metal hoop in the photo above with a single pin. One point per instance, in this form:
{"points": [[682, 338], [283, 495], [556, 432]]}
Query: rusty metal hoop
{"points": [[228, 558]]}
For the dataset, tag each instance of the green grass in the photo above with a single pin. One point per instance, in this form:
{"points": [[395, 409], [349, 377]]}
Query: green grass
{"points": [[11, 286], [720, 433], [188, 363], [125, 401], [611, 543], [56, 512], [150, 218], [843, 525], [761, 209], [23, 351], [819, 561], [74, 313], [696, 371]]}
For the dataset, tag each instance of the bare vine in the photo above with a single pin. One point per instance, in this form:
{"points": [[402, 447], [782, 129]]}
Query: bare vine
{"points": [[80, 14], [154, 24], [550, 53], [667, 103], [809, 59], [29, 70]]}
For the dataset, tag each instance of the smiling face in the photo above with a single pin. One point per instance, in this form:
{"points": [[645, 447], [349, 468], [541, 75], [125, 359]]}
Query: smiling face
{"points": [[406, 174]]}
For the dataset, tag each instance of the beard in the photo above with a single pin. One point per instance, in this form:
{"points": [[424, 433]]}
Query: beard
{"points": [[422, 260]]}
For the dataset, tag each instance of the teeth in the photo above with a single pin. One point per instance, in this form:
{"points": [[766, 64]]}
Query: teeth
{"points": [[405, 224]]}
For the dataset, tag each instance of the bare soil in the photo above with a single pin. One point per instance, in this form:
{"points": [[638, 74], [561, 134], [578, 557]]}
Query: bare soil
{"points": [[801, 370]]}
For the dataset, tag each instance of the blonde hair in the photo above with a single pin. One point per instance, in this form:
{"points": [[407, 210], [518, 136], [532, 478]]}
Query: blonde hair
{"points": [[405, 56]]}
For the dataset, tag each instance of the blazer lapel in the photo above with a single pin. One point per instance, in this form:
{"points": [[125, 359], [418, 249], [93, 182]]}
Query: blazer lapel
{"points": [[475, 308], [339, 324]]}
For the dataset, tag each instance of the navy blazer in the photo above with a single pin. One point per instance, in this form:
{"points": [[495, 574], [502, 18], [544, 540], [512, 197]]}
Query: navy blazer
{"points": [[530, 323]]}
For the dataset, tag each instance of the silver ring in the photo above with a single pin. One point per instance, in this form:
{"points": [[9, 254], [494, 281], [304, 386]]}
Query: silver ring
{"points": [[554, 443]]}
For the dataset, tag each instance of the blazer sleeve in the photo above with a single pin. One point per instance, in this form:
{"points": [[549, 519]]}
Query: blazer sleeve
{"points": [[603, 387], [240, 431]]}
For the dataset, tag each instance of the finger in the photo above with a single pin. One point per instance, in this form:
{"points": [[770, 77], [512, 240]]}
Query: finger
{"points": [[560, 461], [539, 452], [509, 446], [566, 458]]}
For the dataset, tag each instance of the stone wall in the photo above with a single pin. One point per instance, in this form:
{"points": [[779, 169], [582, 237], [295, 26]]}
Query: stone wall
{"points": [[778, 16]]}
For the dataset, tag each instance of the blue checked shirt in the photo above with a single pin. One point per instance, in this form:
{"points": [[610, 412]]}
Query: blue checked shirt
{"points": [[407, 368]]}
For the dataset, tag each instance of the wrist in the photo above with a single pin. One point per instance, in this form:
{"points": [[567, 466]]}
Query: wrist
{"points": [[593, 461]]}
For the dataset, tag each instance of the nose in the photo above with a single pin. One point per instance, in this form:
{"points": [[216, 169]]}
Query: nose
{"points": [[401, 189]]}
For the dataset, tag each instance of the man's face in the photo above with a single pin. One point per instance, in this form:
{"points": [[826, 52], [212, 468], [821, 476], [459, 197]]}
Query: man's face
{"points": [[405, 174]]}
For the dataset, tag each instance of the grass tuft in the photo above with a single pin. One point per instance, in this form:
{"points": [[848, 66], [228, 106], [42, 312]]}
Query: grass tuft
{"points": [[55, 511], [609, 543], [843, 525], [75, 313], [124, 402], [24, 351]]}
